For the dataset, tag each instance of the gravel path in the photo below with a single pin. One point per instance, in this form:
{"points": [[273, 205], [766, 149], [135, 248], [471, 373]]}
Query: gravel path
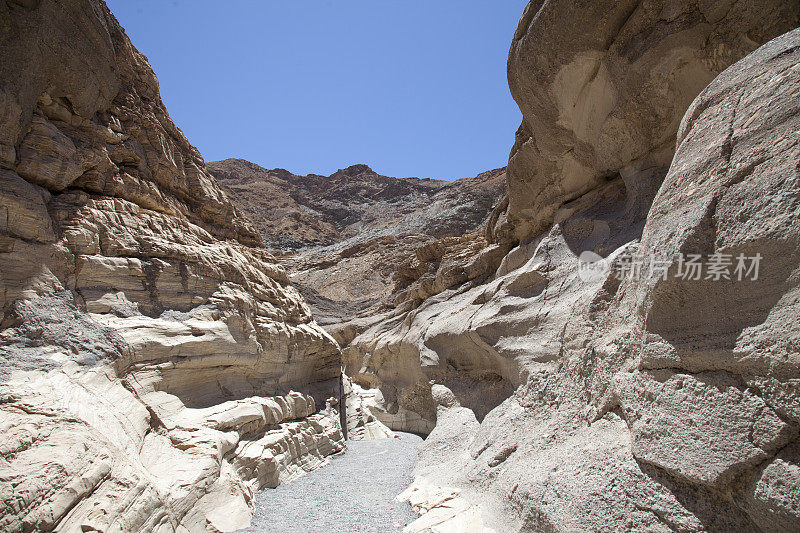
{"points": [[354, 494]]}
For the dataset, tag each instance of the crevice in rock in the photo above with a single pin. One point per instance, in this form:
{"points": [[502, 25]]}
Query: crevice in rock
{"points": [[716, 510]]}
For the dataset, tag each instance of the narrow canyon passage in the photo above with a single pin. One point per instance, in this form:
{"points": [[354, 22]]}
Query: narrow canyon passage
{"points": [[355, 493], [600, 336]]}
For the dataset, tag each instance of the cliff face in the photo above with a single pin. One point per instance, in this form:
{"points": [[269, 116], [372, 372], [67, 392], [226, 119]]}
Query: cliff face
{"points": [[616, 398], [149, 343], [604, 104]]}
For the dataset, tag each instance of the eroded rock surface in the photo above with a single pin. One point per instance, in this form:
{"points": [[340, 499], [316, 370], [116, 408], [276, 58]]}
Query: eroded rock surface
{"points": [[607, 101], [149, 343], [369, 247], [151, 348], [592, 403]]}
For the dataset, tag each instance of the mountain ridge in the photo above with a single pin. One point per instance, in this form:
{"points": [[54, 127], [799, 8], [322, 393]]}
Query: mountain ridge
{"points": [[324, 210]]}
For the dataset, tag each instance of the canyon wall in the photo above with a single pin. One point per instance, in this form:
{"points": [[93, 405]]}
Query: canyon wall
{"points": [[622, 397], [150, 346], [157, 364], [365, 248], [603, 103]]}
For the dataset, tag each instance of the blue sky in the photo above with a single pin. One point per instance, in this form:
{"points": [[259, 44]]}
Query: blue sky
{"points": [[409, 87]]}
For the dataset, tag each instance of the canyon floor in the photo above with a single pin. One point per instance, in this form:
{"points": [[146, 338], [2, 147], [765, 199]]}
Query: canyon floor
{"points": [[355, 493]]}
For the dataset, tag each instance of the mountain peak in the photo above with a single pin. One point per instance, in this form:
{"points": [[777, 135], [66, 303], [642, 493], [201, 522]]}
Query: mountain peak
{"points": [[355, 170]]}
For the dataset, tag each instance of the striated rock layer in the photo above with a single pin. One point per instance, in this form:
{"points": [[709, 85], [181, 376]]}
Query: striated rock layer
{"points": [[608, 400], [148, 341]]}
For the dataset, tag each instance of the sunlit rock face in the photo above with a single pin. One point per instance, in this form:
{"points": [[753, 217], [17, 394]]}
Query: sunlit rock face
{"points": [[648, 403], [645, 402], [603, 86], [369, 249], [146, 334], [718, 361]]}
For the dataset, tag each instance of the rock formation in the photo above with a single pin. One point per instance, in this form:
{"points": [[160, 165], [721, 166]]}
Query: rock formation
{"points": [[621, 401], [572, 368], [362, 247], [604, 103], [149, 344]]}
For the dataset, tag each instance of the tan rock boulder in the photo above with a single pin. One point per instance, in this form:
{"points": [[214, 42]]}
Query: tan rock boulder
{"points": [[84, 449], [363, 408]]}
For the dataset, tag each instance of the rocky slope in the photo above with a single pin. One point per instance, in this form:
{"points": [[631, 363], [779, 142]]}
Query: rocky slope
{"points": [[357, 243], [295, 212], [619, 400], [149, 343]]}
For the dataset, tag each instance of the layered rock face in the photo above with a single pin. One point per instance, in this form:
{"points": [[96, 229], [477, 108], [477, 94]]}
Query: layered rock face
{"points": [[149, 343], [622, 400]]}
